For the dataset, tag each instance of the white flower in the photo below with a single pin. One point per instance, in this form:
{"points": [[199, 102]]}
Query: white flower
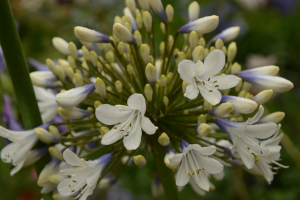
{"points": [[264, 160], [50, 169], [240, 104], [194, 11], [129, 120], [195, 164], [244, 136], [227, 35], [91, 36], [83, 176], [46, 102], [201, 25], [18, 151], [71, 98], [201, 77]]}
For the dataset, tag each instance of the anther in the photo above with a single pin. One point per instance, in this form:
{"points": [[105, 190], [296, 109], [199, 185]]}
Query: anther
{"points": [[203, 82], [217, 86], [193, 173], [189, 173], [210, 90], [248, 148], [208, 79], [215, 81]]}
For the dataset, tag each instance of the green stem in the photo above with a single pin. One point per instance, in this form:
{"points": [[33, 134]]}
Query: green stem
{"points": [[165, 174], [17, 68]]}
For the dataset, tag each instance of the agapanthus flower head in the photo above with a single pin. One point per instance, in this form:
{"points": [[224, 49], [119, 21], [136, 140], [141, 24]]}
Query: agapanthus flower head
{"points": [[99, 99]]}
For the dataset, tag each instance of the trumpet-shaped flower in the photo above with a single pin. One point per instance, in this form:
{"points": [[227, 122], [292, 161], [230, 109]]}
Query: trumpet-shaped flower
{"points": [[201, 77], [71, 98], [83, 175], [129, 120], [195, 164], [17, 151], [245, 135]]}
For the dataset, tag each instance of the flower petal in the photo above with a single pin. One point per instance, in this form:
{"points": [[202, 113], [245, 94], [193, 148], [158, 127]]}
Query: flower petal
{"points": [[176, 159], [137, 102], [258, 115], [213, 64], [225, 81], [186, 69], [191, 91], [148, 126], [111, 136], [210, 165], [213, 97], [110, 115], [133, 141], [72, 159], [182, 177], [206, 151], [261, 131]]}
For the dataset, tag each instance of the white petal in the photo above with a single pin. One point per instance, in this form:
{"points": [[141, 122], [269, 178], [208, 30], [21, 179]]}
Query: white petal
{"points": [[176, 159], [92, 179], [186, 69], [256, 117], [210, 165], [182, 177], [191, 91], [203, 181], [206, 151], [247, 158], [213, 97], [8, 151], [261, 131], [72, 159], [148, 126], [18, 167], [196, 188], [23, 150], [137, 102], [110, 115], [225, 81], [213, 64], [133, 141], [111, 136]]}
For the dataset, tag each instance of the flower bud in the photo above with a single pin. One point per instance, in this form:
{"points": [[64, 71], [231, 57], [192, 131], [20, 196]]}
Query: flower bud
{"points": [[246, 86], [130, 69], [201, 119], [138, 37], [54, 131], [128, 26], [263, 97], [148, 92], [139, 21], [151, 73], [105, 183], [224, 49], [232, 49], [184, 85], [77, 79], [70, 72], [93, 57], [194, 11], [170, 76], [275, 117], [212, 49], [265, 70], [91, 36], [72, 49], [163, 80], [110, 57], [219, 44], [121, 47], [132, 90], [151, 59], [198, 54], [61, 45], [241, 105], [85, 53], [71, 61], [131, 5], [221, 110], [169, 154], [145, 52], [75, 113], [235, 68], [193, 39], [145, 4], [239, 86], [55, 179], [131, 20], [164, 139], [166, 101], [97, 104], [127, 160], [180, 56], [203, 129], [139, 161], [123, 34], [202, 25], [170, 13], [100, 87], [158, 8], [202, 42], [157, 188], [45, 136], [54, 152], [242, 93], [147, 19], [59, 71], [228, 34], [119, 86], [162, 48], [162, 27]]}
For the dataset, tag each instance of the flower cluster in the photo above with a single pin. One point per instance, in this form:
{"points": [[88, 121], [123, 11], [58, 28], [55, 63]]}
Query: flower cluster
{"points": [[193, 100]]}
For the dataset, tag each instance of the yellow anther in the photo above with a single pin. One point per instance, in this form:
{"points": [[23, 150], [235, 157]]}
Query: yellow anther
{"points": [[189, 173]]}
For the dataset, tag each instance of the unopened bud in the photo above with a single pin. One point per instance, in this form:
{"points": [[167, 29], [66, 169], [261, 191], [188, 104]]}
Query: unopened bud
{"points": [[121, 47], [130, 69], [180, 56], [139, 21], [100, 87], [45, 136], [170, 12], [131, 5], [145, 52], [71, 61], [104, 130], [119, 86], [162, 48], [239, 85], [151, 73], [97, 104], [123, 34], [202, 42], [203, 129], [73, 49], [138, 37], [147, 19], [201, 119], [110, 57], [50, 64], [151, 59], [164, 139], [263, 97], [235, 68], [224, 49], [162, 27], [193, 39], [232, 49], [128, 26], [242, 93], [55, 179], [219, 44], [170, 77], [221, 110], [246, 86], [77, 79], [194, 11], [61, 45], [132, 90], [54, 131], [166, 101], [60, 72], [275, 117], [139, 161], [54, 152], [148, 92], [198, 54], [163, 80]]}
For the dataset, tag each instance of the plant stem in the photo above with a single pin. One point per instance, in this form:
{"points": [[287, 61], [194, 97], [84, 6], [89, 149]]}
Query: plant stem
{"points": [[17, 67], [165, 174]]}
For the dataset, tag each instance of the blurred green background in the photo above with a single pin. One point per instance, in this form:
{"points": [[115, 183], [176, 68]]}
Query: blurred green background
{"points": [[270, 34]]}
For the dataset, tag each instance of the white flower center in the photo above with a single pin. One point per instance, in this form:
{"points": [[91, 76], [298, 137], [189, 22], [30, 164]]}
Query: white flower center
{"points": [[130, 124], [208, 85]]}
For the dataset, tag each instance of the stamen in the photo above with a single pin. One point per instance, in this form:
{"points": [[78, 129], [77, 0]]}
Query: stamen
{"points": [[189, 173], [193, 173], [217, 86], [210, 90], [248, 148], [115, 128], [74, 181], [69, 176], [208, 79], [203, 82], [261, 152], [214, 81]]}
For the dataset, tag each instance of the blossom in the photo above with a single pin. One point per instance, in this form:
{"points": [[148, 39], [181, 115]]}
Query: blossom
{"points": [[240, 104], [201, 25], [195, 163], [83, 175], [50, 169], [91, 36], [46, 102], [245, 135], [129, 120], [227, 35], [17, 151], [201, 77], [158, 8], [43, 79]]}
